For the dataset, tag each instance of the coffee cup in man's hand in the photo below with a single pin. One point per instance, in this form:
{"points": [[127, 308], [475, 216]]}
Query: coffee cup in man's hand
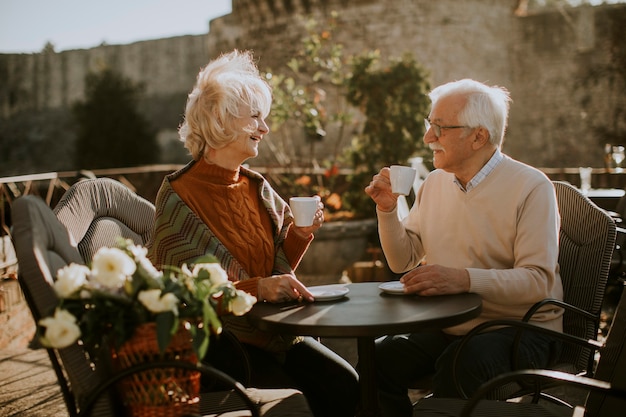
{"points": [[402, 178]]}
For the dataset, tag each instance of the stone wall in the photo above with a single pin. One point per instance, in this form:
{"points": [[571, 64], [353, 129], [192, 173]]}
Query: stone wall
{"points": [[49, 79], [542, 59], [16, 321], [441, 41], [545, 60], [565, 104]]}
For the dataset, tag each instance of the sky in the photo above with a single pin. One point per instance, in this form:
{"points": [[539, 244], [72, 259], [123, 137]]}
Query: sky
{"points": [[27, 25]]}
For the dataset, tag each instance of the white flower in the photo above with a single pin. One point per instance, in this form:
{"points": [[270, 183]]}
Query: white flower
{"points": [[241, 304], [190, 284], [146, 265], [215, 270], [156, 303], [61, 329], [69, 279], [140, 254], [111, 267], [188, 279], [137, 251]]}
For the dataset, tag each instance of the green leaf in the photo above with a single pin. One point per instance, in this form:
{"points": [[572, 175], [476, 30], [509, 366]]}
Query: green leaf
{"points": [[201, 341], [164, 324], [206, 259], [209, 317]]}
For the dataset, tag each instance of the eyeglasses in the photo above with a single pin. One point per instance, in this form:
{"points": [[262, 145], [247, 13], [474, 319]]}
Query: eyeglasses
{"points": [[437, 128]]}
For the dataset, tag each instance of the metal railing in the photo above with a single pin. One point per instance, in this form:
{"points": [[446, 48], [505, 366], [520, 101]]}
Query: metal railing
{"points": [[144, 180], [50, 186]]}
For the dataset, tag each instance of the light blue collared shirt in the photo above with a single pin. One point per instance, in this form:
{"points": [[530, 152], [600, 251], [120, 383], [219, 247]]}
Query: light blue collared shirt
{"points": [[482, 174]]}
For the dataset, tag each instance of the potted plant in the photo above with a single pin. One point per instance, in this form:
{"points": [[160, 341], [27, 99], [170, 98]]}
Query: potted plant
{"points": [[327, 95], [393, 99], [125, 312]]}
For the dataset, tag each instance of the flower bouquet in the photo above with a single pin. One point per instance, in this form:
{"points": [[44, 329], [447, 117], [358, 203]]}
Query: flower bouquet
{"points": [[123, 304]]}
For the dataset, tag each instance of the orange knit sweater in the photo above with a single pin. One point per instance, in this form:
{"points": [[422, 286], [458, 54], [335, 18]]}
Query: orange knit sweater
{"points": [[229, 204]]}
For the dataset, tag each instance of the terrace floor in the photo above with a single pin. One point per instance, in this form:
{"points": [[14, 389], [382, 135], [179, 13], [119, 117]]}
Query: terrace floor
{"points": [[28, 384]]}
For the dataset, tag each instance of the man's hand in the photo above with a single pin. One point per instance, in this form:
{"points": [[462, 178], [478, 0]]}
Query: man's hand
{"points": [[380, 191], [436, 280]]}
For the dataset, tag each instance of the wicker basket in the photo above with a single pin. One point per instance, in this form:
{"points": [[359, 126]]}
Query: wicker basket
{"points": [[159, 392]]}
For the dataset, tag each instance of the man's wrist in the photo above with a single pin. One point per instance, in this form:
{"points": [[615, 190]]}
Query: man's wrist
{"points": [[386, 210]]}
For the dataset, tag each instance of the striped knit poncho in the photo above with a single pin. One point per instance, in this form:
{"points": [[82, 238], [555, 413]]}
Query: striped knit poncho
{"points": [[180, 236]]}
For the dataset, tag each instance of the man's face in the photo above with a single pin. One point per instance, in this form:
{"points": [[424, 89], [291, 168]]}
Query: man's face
{"points": [[454, 146]]}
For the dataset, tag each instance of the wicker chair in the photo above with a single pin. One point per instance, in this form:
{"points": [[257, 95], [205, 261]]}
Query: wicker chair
{"points": [[98, 211], [607, 390], [586, 243], [42, 245]]}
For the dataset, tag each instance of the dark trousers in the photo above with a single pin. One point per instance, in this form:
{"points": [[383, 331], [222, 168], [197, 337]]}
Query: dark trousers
{"points": [[329, 382], [403, 359]]}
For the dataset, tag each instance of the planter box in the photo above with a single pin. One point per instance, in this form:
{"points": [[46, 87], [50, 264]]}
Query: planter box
{"points": [[336, 247]]}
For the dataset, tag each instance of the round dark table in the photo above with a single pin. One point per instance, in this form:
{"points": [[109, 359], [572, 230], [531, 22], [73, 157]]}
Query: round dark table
{"points": [[366, 313]]}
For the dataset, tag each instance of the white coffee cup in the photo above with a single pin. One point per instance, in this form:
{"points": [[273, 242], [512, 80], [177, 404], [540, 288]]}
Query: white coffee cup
{"points": [[303, 209], [402, 179]]}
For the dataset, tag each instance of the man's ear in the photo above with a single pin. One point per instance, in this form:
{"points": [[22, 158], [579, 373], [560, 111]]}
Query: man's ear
{"points": [[481, 138]]}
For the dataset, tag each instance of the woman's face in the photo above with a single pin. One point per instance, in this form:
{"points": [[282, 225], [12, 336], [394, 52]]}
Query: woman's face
{"points": [[248, 131]]}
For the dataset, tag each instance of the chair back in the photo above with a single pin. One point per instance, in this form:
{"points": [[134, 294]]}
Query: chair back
{"points": [[618, 263], [587, 239], [98, 211], [611, 366], [42, 246]]}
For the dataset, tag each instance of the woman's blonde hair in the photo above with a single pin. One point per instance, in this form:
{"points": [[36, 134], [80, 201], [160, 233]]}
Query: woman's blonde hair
{"points": [[222, 87]]}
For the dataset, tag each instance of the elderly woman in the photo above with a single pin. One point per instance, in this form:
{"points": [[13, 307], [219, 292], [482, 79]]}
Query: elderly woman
{"points": [[216, 206]]}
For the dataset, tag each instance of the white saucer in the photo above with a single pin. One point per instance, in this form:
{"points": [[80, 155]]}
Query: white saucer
{"points": [[329, 292], [392, 287]]}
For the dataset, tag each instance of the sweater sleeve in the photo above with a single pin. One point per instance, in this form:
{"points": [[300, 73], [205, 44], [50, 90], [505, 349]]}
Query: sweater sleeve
{"points": [[402, 246], [295, 247], [249, 285]]}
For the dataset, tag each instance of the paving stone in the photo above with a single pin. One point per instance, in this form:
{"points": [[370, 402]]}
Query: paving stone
{"points": [[28, 385]]}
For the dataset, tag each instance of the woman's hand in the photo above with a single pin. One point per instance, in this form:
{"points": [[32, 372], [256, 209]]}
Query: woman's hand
{"points": [[283, 288], [380, 191], [318, 220]]}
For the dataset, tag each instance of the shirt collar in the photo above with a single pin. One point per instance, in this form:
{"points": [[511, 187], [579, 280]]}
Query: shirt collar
{"points": [[482, 174]]}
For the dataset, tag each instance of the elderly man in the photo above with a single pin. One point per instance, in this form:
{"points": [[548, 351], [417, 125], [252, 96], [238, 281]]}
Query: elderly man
{"points": [[482, 222]]}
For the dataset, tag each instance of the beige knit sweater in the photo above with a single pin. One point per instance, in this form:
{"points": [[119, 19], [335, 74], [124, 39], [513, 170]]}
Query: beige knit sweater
{"points": [[504, 233]]}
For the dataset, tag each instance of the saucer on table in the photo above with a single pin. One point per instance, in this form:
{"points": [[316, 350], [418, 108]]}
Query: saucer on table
{"points": [[392, 287], [329, 292]]}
